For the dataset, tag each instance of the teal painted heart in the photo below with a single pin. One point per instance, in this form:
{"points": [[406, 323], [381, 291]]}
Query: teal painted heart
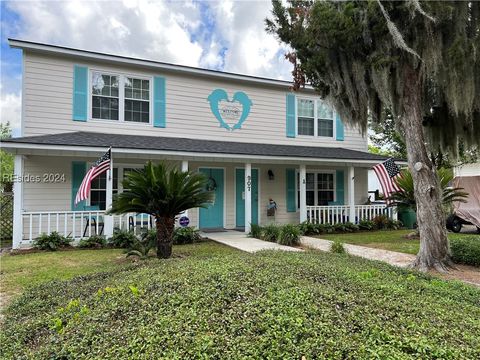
{"points": [[227, 111]]}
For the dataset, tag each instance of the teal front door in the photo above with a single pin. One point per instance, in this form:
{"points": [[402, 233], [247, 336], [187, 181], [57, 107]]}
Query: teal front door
{"points": [[212, 217], [240, 197]]}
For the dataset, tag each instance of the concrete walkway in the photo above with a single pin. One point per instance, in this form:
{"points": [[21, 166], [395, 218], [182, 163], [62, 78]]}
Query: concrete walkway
{"points": [[241, 241], [390, 257]]}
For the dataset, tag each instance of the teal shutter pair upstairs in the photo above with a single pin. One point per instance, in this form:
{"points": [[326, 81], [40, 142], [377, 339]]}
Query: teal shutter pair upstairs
{"points": [[291, 119], [80, 97]]}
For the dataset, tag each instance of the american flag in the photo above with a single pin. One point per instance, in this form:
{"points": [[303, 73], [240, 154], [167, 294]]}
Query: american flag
{"points": [[100, 166], [386, 173]]}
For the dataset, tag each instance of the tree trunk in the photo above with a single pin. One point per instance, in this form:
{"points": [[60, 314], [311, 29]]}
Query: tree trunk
{"points": [[434, 248], [165, 227]]}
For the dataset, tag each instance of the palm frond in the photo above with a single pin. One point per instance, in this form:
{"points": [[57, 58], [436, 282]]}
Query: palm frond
{"points": [[406, 196]]}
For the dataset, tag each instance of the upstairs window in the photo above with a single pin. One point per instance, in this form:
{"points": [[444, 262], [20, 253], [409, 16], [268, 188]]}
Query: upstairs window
{"points": [[306, 117], [120, 97], [314, 118], [324, 120], [137, 96], [105, 98]]}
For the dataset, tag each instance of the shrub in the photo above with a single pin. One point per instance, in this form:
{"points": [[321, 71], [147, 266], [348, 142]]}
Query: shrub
{"points": [[366, 225], [122, 239], [307, 228], [185, 235], [142, 246], [337, 248], [255, 231], [466, 250], [51, 242], [93, 242], [271, 233], [289, 235], [381, 222], [345, 227], [394, 224], [325, 228]]}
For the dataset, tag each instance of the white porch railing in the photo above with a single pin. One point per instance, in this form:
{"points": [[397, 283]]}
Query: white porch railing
{"points": [[341, 213], [78, 224]]}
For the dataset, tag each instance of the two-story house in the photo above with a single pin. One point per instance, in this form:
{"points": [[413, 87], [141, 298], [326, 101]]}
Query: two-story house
{"points": [[253, 138]]}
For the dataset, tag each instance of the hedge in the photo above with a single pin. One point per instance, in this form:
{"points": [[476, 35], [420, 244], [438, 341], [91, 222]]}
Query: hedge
{"points": [[466, 250]]}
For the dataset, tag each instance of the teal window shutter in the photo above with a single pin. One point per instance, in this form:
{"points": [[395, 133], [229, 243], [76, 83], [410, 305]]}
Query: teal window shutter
{"points": [[340, 188], [340, 131], [159, 103], [291, 203], [80, 93], [79, 169], [290, 125]]}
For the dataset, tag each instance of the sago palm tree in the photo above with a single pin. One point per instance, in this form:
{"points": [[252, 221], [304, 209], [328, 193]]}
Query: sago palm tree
{"points": [[163, 192], [405, 197]]}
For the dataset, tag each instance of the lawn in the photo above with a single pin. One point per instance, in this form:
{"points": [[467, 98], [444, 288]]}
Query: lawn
{"points": [[210, 301], [393, 240], [21, 271]]}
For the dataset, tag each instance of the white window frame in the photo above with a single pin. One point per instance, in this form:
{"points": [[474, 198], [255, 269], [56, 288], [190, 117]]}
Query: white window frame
{"points": [[120, 172], [315, 172], [121, 96], [315, 119]]}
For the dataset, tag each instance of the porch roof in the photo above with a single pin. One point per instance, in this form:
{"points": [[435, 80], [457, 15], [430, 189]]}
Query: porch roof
{"points": [[93, 141]]}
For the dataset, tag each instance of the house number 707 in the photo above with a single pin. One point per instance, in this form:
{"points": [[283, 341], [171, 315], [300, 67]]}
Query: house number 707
{"points": [[249, 183]]}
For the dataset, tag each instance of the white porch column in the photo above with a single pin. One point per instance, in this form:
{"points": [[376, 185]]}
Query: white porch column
{"points": [[185, 168], [184, 165], [248, 197], [108, 231], [17, 202], [351, 193], [303, 193]]}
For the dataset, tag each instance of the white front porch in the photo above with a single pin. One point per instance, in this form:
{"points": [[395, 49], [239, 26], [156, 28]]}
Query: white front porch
{"points": [[83, 224], [245, 185]]}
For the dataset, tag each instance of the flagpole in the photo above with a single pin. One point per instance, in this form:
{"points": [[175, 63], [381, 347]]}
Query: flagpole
{"points": [[109, 198]]}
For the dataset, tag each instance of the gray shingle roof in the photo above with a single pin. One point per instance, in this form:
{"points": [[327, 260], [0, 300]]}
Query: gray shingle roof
{"points": [[93, 139]]}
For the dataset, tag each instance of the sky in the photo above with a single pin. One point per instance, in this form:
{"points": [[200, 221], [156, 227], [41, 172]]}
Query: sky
{"points": [[222, 35]]}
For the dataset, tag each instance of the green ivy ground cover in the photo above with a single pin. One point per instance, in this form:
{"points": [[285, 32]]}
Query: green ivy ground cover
{"points": [[213, 302]]}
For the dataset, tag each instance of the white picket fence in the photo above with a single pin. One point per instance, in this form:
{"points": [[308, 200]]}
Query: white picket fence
{"points": [[78, 224], [335, 214]]}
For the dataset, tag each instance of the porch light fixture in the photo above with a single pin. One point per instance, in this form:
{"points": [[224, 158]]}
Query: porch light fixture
{"points": [[271, 176]]}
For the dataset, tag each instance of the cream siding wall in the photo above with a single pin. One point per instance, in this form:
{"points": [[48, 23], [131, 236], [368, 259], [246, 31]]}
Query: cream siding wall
{"points": [[48, 83]]}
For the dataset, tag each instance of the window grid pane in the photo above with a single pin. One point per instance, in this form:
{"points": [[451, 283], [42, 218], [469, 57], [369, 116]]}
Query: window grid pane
{"points": [[306, 108], [104, 96], [325, 127], [137, 96], [306, 126], [324, 111]]}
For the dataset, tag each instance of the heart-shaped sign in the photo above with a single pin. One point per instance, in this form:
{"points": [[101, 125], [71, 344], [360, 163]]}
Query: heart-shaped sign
{"points": [[231, 114]]}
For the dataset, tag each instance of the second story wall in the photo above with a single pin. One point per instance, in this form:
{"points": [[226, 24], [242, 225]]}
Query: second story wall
{"points": [[48, 96]]}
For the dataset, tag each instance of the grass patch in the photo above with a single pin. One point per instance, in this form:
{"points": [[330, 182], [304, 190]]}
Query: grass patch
{"points": [[214, 302], [24, 270], [388, 240]]}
